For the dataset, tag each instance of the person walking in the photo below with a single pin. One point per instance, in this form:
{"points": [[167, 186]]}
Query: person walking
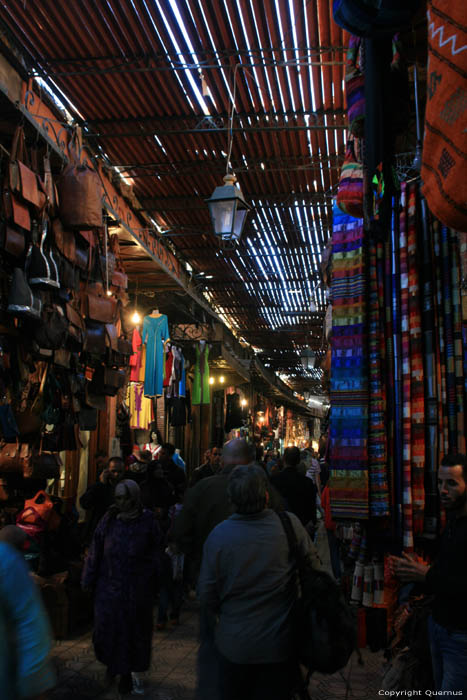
{"points": [[247, 588], [121, 569], [447, 580], [100, 496], [25, 639], [297, 491]]}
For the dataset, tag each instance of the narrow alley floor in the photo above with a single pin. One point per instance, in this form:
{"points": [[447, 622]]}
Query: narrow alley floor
{"points": [[172, 675]]}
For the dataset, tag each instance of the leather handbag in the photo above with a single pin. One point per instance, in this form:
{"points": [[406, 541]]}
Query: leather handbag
{"points": [[43, 465], [119, 279], [53, 331], [13, 242], [99, 307], [23, 181], [80, 190], [62, 358], [16, 211], [50, 187], [107, 381], [14, 457], [64, 240], [76, 328], [21, 301], [41, 265], [94, 339]]}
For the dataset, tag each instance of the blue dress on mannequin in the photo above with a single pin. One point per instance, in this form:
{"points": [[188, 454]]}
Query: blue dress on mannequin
{"points": [[155, 332]]}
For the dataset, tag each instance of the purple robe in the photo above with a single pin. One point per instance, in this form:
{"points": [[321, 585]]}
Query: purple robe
{"points": [[121, 567]]}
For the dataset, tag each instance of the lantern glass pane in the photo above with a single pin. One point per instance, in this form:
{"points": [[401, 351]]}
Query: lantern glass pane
{"points": [[222, 215], [239, 222]]}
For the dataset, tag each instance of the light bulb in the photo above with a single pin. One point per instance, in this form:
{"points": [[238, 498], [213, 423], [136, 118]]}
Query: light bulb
{"points": [[244, 402], [136, 318], [211, 380], [109, 293], [222, 379]]}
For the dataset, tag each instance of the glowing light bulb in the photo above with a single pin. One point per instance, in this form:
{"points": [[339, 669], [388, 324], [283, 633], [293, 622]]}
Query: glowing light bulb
{"points": [[109, 293], [211, 380], [136, 318], [222, 379], [244, 402]]}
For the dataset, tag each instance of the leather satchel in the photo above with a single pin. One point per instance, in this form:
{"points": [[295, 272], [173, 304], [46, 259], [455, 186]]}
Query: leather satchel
{"points": [[64, 240], [13, 242], [16, 211], [99, 307], [120, 279], [80, 190], [94, 339], [14, 457], [107, 381], [43, 465], [23, 180]]}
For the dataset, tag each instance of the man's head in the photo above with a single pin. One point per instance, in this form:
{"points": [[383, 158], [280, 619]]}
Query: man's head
{"points": [[116, 469], [248, 489], [291, 457], [237, 452], [101, 461], [207, 456], [216, 456], [452, 483], [166, 453]]}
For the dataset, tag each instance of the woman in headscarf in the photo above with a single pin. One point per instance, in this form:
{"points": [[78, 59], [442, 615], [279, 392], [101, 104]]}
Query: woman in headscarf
{"points": [[121, 569]]}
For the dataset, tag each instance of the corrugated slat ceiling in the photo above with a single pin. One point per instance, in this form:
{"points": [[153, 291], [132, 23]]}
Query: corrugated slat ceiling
{"points": [[153, 80]]}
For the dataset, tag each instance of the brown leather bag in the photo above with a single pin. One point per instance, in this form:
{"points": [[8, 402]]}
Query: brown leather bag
{"points": [[94, 339], [42, 465], [98, 306], [14, 457], [13, 242], [64, 240], [23, 180], [80, 190], [120, 279], [16, 211]]}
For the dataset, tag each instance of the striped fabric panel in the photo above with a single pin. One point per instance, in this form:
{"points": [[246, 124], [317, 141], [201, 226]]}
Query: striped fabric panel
{"points": [[447, 311], [407, 513], [457, 340], [417, 393], [348, 452], [377, 447]]}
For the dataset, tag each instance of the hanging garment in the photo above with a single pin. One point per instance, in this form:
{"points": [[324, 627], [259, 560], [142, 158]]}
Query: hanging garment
{"points": [[140, 406], [155, 332], [174, 383], [135, 359], [201, 388], [179, 410], [234, 413], [182, 384], [169, 362]]}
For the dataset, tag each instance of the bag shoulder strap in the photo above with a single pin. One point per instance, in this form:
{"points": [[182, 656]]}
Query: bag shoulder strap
{"points": [[291, 536]]}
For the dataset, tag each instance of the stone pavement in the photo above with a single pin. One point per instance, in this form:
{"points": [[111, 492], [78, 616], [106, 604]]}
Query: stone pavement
{"points": [[172, 675]]}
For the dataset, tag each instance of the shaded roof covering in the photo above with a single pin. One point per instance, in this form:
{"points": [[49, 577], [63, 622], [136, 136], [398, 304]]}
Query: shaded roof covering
{"points": [[153, 82]]}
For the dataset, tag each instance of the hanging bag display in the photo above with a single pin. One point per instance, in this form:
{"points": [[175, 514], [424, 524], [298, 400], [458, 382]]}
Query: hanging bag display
{"points": [[80, 189], [14, 457], [350, 192], [22, 180], [13, 241]]}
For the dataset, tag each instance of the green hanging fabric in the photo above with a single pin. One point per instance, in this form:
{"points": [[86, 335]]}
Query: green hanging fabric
{"points": [[201, 388]]}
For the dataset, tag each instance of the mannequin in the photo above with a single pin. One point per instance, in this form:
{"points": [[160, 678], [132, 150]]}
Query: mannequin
{"points": [[156, 443], [155, 313], [155, 335]]}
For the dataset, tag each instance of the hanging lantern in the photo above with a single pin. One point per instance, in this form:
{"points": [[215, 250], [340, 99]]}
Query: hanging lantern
{"points": [[228, 211], [308, 358]]}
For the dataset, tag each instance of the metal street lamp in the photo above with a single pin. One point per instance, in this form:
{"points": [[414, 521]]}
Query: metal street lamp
{"points": [[228, 211]]}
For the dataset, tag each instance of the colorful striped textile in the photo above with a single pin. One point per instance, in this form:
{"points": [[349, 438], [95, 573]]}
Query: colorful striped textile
{"points": [[417, 377], [377, 438], [349, 371], [407, 512]]}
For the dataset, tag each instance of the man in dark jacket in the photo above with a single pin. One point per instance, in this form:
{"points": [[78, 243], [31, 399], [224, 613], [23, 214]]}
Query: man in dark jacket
{"points": [[211, 466], [175, 475], [100, 496], [447, 579], [298, 493]]}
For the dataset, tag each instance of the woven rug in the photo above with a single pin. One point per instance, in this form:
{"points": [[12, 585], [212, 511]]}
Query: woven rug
{"points": [[349, 371]]}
